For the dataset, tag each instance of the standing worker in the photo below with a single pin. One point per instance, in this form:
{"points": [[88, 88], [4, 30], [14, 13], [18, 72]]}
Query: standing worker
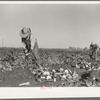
{"points": [[93, 50], [27, 40]]}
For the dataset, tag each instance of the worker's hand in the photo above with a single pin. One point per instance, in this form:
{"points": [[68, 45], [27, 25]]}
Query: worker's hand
{"points": [[31, 47], [26, 51]]}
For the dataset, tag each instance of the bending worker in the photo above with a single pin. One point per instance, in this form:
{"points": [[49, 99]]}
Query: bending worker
{"points": [[93, 51], [27, 40]]}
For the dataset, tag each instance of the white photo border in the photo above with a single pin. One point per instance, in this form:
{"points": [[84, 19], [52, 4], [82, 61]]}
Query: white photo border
{"points": [[53, 92]]}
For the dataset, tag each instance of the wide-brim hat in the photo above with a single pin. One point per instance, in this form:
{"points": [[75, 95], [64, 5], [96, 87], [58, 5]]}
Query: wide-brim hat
{"points": [[23, 35]]}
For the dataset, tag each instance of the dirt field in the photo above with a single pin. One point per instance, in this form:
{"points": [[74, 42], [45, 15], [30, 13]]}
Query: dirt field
{"points": [[14, 70]]}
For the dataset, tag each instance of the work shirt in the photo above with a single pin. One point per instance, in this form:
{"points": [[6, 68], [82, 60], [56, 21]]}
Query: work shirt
{"points": [[28, 39]]}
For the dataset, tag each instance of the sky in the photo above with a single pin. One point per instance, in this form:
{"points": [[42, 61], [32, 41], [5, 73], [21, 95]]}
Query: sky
{"points": [[54, 25]]}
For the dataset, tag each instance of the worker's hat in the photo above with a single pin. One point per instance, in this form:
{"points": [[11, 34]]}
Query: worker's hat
{"points": [[25, 32]]}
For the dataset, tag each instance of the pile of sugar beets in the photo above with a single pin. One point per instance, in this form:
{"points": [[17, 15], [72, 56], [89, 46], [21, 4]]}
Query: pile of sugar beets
{"points": [[83, 74]]}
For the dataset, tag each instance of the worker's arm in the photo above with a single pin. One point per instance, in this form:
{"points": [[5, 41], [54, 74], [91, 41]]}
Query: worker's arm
{"points": [[32, 41], [98, 47], [23, 45]]}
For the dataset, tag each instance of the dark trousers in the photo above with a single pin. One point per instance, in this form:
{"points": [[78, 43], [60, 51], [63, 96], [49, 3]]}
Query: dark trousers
{"points": [[27, 44]]}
